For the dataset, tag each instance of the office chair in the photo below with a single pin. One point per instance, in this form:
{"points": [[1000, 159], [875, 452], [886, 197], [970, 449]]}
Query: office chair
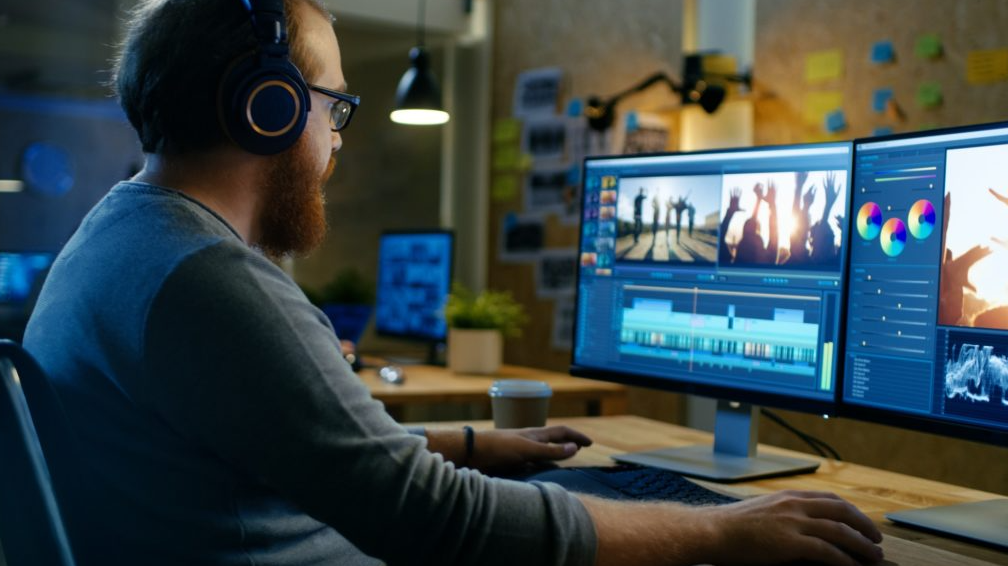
{"points": [[31, 527]]}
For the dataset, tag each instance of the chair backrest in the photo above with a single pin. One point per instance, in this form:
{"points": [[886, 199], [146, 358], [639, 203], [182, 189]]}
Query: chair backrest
{"points": [[31, 527]]}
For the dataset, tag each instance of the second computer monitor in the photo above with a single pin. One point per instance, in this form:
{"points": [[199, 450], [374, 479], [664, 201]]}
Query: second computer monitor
{"points": [[719, 273], [414, 279]]}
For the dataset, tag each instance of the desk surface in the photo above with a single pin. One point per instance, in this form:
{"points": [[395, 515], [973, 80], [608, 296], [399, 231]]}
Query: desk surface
{"points": [[874, 491], [434, 384]]}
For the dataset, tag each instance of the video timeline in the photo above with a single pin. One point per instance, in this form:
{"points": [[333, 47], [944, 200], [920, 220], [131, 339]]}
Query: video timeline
{"points": [[706, 329]]}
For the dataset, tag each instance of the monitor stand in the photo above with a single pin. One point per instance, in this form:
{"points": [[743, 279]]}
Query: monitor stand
{"points": [[984, 521], [733, 456]]}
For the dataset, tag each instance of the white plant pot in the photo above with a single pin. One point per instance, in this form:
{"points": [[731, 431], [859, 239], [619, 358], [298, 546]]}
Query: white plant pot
{"points": [[474, 351]]}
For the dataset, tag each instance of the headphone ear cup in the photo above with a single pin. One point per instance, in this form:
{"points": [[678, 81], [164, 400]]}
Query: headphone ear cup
{"points": [[263, 106]]}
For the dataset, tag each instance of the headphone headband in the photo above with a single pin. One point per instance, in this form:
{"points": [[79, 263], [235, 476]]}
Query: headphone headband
{"points": [[269, 26]]}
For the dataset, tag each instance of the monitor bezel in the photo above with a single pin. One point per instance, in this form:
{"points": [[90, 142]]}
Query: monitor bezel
{"points": [[890, 417], [451, 277], [679, 385]]}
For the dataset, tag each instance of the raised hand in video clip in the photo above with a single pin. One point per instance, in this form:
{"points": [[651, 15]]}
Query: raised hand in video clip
{"points": [[800, 219], [751, 248], [955, 273], [726, 254], [822, 238]]}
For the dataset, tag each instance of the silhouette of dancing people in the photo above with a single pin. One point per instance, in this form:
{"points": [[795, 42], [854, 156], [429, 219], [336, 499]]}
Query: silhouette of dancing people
{"points": [[680, 206], [638, 205], [657, 216], [691, 212], [750, 248], [668, 218]]}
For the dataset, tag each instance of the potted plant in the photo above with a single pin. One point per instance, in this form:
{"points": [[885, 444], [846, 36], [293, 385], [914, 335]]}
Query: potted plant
{"points": [[477, 324], [348, 301]]}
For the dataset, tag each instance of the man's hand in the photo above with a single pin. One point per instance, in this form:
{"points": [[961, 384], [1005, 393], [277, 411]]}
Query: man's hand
{"points": [[784, 527], [507, 450], [496, 451], [794, 525]]}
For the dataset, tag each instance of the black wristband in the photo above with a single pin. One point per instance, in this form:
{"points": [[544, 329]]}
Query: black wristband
{"points": [[470, 443]]}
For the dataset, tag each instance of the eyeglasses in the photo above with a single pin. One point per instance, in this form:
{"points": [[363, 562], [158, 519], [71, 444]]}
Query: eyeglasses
{"points": [[342, 109]]}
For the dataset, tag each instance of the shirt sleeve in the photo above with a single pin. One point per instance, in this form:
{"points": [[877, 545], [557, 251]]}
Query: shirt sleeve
{"points": [[240, 364]]}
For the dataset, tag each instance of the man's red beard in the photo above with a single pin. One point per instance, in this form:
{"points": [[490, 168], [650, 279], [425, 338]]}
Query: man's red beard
{"points": [[293, 219]]}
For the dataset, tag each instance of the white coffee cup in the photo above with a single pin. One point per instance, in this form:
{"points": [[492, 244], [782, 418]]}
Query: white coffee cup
{"points": [[519, 403]]}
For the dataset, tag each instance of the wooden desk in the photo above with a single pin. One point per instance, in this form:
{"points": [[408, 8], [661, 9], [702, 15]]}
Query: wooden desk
{"points": [[434, 384], [874, 491]]}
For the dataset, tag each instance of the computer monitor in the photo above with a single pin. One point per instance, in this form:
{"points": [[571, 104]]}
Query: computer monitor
{"points": [[719, 273], [20, 278], [18, 274], [414, 279], [927, 334]]}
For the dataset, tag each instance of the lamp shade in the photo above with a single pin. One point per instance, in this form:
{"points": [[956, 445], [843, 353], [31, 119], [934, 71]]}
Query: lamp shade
{"points": [[418, 97]]}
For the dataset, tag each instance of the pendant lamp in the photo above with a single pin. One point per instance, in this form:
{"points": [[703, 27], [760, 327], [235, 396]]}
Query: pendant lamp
{"points": [[418, 97]]}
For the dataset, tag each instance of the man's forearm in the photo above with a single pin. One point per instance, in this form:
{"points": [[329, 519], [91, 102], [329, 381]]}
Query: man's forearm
{"points": [[449, 443], [648, 533]]}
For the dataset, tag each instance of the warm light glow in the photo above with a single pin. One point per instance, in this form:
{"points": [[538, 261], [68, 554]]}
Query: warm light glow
{"points": [[419, 116], [11, 186]]}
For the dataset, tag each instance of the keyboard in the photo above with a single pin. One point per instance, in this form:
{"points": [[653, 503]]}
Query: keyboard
{"points": [[631, 482]]}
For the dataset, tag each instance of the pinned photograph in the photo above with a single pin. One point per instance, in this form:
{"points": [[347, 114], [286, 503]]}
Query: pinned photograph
{"points": [[537, 92], [555, 273], [521, 237], [546, 189], [544, 138]]}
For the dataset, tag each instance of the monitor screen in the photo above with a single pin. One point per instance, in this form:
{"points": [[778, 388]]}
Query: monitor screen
{"points": [[18, 274], [719, 273], [414, 278], [927, 334]]}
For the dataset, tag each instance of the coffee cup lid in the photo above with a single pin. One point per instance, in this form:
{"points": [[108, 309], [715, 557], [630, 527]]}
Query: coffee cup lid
{"points": [[520, 388]]}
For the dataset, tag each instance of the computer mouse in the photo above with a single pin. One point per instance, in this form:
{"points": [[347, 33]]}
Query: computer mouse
{"points": [[392, 374]]}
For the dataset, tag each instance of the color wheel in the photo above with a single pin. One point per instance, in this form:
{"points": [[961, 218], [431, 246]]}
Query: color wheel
{"points": [[869, 221], [894, 235], [921, 220]]}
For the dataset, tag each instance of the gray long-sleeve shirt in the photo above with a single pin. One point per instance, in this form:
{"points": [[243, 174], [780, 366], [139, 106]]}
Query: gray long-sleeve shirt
{"points": [[218, 424]]}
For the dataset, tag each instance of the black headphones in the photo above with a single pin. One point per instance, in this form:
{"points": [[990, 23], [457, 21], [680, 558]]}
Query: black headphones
{"points": [[262, 99]]}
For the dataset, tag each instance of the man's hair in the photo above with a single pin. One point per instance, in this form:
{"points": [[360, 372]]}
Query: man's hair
{"points": [[173, 57]]}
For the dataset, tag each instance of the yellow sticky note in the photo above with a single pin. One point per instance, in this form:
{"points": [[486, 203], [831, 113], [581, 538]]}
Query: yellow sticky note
{"points": [[986, 66], [821, 66], [819, 104], [505, 158], [504, 187], [506, 130]]}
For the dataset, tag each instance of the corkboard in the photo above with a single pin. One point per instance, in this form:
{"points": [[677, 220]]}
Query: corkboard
{"points": [[789, 30], [602, 47]]}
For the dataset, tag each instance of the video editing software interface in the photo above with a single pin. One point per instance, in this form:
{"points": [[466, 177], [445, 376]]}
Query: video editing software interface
{"points": [[927, 331], [18, 272], [414, 278], [721, 269]]}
